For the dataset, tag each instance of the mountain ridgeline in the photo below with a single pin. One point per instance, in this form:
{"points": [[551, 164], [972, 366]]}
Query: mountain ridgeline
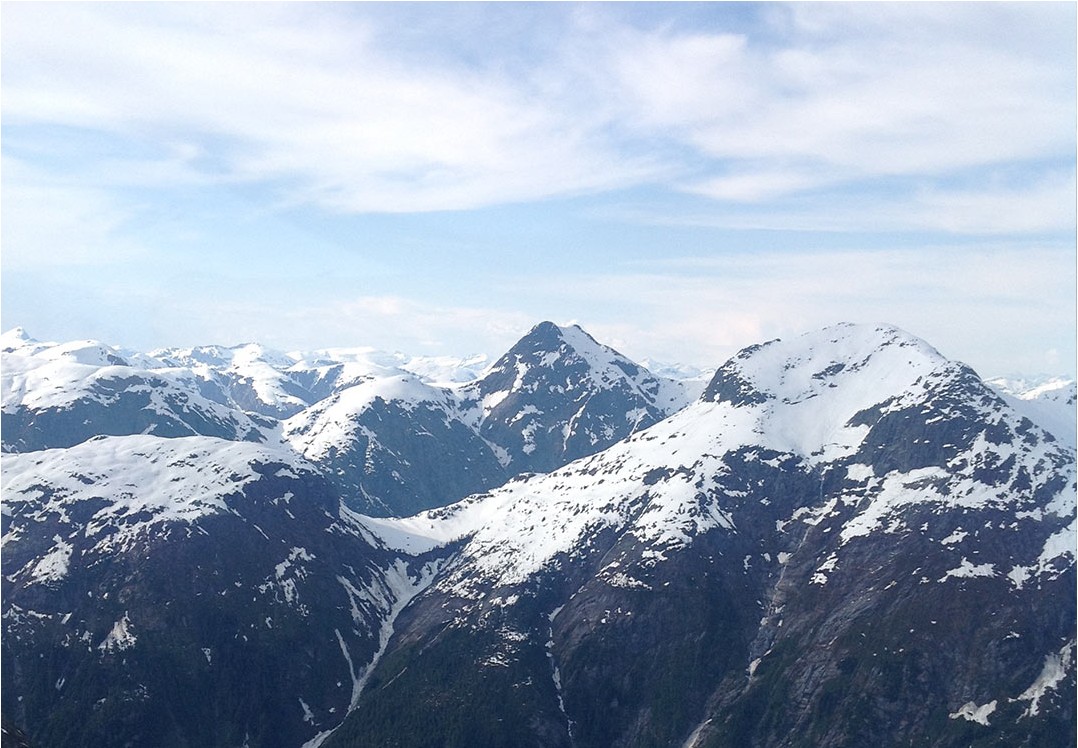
{"points": [[840, 539]]}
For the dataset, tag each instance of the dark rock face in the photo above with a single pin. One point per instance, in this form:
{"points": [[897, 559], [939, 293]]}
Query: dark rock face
{"points": [[607, 647], [728, 385], [11, 736], [893, 653]]}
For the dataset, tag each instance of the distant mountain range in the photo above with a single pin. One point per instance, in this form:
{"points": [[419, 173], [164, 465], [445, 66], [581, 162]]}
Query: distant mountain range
{"points": [[839, 539]]}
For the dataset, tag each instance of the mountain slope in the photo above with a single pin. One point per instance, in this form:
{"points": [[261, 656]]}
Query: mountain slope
{"points": [[186, 591], [395, 445], [803, 557], [1050, 402]]}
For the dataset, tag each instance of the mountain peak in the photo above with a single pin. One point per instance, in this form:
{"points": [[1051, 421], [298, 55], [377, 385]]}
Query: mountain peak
{"points": [[806, 366], [552, 348], [545, 328], [15, 339], [559, 394], [811, 394], [548, 336]]}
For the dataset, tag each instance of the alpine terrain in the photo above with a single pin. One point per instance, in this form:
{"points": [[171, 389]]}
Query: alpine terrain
{"points": [[840, 539]]}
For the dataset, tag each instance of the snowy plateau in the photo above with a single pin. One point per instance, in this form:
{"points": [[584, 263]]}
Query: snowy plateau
{"points": [[837, 539]]}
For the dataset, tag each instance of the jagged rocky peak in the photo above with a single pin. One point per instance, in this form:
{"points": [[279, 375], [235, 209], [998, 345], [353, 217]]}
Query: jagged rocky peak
{"points": [[558, 395], [555, 353]]}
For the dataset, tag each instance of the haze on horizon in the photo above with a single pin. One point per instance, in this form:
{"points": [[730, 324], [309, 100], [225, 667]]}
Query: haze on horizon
{"points": [[681, 180]]}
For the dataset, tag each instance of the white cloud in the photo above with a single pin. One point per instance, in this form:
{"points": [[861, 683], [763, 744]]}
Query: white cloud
{"points": [[302, 96], [1038, 202], [318, 100], [754, 185], [856, 93], [1047, 204], [685, 81]]}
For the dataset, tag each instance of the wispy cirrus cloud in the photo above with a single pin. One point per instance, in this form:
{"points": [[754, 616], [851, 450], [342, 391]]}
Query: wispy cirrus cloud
{"points": [[1042, 202], [322, 104], [856, 95], [303, 98]]}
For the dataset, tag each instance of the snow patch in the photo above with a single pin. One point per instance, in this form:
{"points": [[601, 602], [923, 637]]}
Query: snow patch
{"points": [[968, 569], [121, 637], [53, 565], [308, 715], [970, 711], [1055, 669], [954, 537]]}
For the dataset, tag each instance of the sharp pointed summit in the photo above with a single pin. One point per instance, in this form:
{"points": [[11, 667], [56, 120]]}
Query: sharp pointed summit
{"points": [[558, 394]]}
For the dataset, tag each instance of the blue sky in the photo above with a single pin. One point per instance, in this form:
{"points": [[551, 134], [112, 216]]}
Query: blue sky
{"points": [[680, 179]]}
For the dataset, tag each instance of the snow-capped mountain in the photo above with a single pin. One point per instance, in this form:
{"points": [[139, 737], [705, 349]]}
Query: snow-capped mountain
{"points": [[62, 395], [558, 395], [395, 434], [277, 384], [803, 557], [396, 442], [846, 539], [151, 553], [268, 382], [693, 379]]}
